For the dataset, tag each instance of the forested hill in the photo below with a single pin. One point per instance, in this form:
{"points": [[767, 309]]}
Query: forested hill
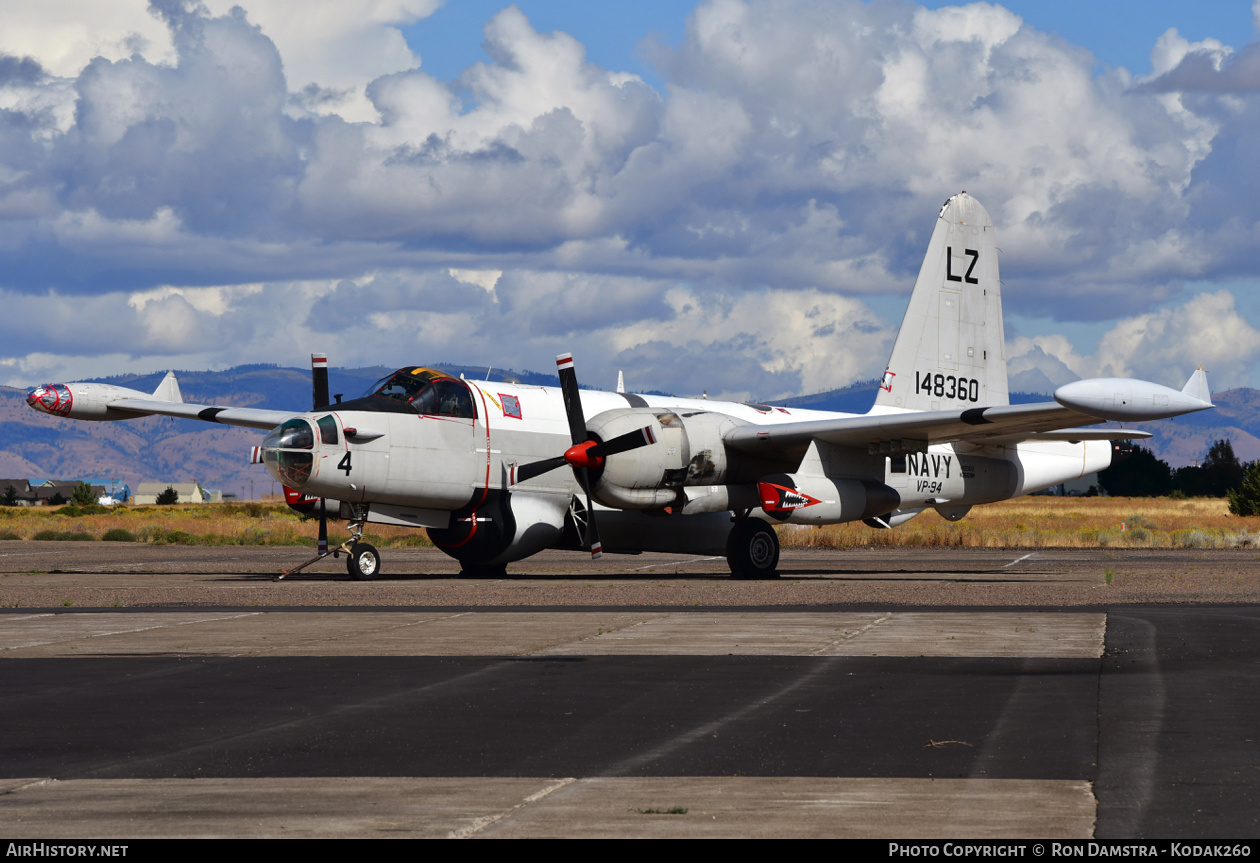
{"points": [[36, 445]]}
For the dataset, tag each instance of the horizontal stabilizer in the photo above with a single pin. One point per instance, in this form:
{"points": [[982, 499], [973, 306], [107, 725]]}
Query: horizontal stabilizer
{"points": [[168, 390]]}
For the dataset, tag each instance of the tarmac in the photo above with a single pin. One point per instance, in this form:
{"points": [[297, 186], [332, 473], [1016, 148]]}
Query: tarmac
{"points": [[1044, 699]]}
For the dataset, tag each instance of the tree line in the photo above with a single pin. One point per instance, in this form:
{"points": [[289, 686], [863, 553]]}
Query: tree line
{"points": [[1220, 474]]}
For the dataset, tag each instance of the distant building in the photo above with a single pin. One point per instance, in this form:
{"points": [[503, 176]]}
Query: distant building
{"points": [[21, 488], [56, 492], [189, 492]]}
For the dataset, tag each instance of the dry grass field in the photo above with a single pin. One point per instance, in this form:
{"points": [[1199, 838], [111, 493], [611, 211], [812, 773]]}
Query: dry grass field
{"points": [[208, 524], [1055, 522], [1029, 522]]}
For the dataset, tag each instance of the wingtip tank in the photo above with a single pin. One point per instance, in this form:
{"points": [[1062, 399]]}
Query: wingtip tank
{"points": [[1128, 400]]}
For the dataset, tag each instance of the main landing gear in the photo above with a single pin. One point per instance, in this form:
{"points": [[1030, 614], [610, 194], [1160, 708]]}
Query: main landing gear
{"points": [[363, 561], [752, 550]]}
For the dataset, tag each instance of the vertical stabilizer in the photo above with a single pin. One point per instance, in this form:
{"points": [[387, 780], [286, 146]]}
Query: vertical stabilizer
{"points": [[1197, 386], [950, 351], [168, 390]]}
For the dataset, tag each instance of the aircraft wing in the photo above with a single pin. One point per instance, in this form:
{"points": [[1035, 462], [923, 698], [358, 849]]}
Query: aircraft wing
{"points": [[249, 417], [1081, 403], [978, 425]]}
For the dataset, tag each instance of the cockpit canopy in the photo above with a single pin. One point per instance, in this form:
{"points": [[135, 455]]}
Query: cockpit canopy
{"points": [[426, 391]]}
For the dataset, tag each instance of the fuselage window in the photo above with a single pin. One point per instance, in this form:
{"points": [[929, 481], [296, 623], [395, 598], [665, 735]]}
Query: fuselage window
{"points": [[897, 464], [327, 430]]}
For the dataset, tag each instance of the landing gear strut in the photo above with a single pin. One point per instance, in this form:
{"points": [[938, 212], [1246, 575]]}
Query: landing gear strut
{"points": [[752, 550], [363, 561]]}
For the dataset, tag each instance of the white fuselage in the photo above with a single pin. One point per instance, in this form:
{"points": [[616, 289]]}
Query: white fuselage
{"points": [[430, 466]]}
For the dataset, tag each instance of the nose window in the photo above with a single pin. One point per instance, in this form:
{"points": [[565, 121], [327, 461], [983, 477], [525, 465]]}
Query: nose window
{"points": [[291, 434], [295, 468]]}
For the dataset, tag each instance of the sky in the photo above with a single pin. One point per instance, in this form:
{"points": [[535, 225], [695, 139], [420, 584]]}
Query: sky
{"points": [[731, 197]]}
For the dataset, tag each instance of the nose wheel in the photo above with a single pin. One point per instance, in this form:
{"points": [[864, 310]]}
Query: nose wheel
{"points": [[363, 562]]}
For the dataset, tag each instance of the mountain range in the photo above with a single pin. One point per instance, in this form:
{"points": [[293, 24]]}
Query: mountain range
{"points": [[34, 445]]}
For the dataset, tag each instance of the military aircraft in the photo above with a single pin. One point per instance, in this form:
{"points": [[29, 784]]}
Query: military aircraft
{"points": [[498, 472]]}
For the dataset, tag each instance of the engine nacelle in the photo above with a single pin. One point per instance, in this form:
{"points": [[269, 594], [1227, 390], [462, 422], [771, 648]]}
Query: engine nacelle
{"points": [[819, 500], [688, 452], [82, 401]]}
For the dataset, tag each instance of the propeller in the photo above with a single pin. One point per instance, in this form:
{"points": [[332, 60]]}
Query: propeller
{"points": [[586, 454], [319, 401]]}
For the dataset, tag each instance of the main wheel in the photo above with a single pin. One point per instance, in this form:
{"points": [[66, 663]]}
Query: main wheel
{"points": [[364, 562], [752, 549]]}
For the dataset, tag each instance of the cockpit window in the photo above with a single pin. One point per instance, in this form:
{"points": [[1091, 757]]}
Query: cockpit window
{"points": [[428, 392]]}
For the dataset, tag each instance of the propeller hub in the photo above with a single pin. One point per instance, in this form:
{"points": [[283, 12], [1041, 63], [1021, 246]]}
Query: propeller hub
{"points": [[579, 456]]}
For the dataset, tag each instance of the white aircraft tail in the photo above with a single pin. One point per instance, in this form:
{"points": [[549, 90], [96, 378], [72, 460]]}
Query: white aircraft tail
{"points": [[950, 351], [168, 390], [1197, 386]]}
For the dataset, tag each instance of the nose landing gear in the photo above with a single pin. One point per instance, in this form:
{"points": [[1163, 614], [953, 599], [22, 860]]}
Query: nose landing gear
{"points": [[363, 561]]}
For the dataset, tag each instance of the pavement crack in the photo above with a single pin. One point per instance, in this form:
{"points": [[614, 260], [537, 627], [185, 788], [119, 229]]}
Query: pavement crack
{"points": [[484, 821], [849, 636]]}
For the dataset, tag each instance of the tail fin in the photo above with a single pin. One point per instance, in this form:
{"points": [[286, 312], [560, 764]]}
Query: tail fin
{"points": [[168, 390], [950, 351], [1197, 386]]}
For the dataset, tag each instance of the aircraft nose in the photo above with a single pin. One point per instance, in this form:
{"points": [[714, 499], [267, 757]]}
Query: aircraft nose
{"points": [[50, 399]]}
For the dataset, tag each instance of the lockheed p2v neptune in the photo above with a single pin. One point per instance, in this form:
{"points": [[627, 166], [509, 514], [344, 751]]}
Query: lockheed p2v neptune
{"points": [[498, 472]]}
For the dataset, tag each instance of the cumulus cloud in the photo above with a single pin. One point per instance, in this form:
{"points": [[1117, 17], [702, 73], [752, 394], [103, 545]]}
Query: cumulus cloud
{"points": [[794, 161], [1163, 346], [683, 340], [332, 49]]}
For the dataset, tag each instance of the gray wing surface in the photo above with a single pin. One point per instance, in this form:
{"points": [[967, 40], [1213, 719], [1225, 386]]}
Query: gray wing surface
{"points": [[248, 417], [998, 424]]}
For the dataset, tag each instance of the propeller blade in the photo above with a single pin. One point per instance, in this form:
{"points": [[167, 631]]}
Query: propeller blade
{"points": [[592, 533], [319, 381], [623, 443], [538, 468], [323, 526], [572, 398], [577, 432], [319, 401]]}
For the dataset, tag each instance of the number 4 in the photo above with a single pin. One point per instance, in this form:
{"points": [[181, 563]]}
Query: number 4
{"points": [[344, 464]]}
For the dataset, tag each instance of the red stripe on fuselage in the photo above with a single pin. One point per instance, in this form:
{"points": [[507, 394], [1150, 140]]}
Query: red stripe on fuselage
{"points": [[485, 491]]}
